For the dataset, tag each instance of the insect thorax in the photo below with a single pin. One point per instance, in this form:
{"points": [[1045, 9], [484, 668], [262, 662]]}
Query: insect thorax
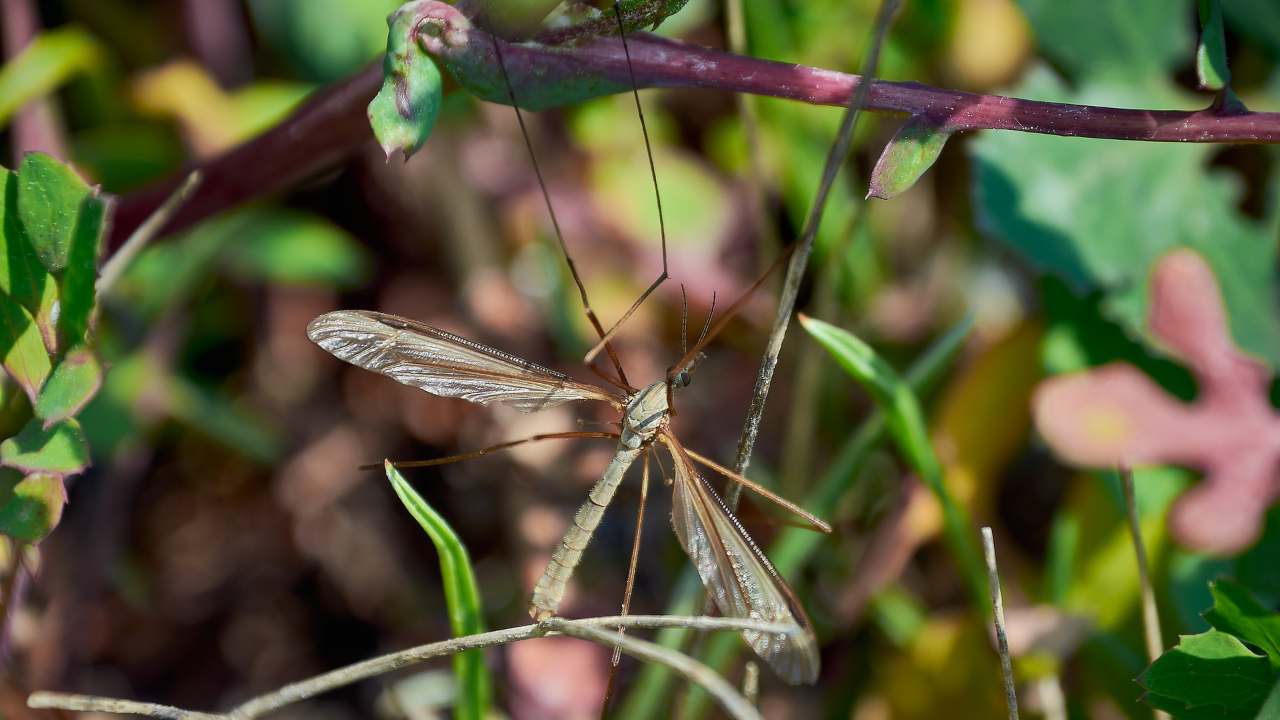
{"points": [[646, 411]]}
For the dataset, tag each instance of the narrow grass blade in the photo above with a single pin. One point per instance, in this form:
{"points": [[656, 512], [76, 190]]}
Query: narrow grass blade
{"points": [[906, 424], [462, 595], [791, 551]]}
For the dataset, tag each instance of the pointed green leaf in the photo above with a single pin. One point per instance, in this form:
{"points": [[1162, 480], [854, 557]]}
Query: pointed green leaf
{"points": [[906, 158], [405, 109], [50, 195], [80, 276], [60, 449], [1237, 612], [1206, 673], [73, 383], [49, 60], [1211, 53], [30, 507], [461, 594], [905, 421], [22, 349]]}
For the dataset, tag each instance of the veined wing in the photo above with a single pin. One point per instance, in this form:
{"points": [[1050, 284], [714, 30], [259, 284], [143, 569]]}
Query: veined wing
{"points": [[738, 576], [444, 364]]}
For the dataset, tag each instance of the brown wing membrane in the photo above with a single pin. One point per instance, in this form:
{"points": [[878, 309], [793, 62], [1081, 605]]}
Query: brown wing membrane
{"points": [[738, 576], [444, 364]]}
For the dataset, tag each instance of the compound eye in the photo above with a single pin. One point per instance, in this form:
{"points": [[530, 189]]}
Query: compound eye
{"points": [[683, 379]]}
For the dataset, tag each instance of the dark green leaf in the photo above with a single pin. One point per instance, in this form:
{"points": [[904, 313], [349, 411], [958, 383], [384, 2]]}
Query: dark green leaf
{"points": [[1098, 214], [50, 196], [22, 349], [1237, 612], [60, 449], [1209, 672], [461, 594], [1211, 53], [1257, 19], [405, 109], [81, 273], [303, 31], [1135, 39], [73, 383], [906, 158], [30, 507], [50, 59]]}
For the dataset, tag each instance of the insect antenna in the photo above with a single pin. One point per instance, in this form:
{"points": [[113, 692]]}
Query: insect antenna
{"points": [[653, 173], [621, 380], [684, 321], [692, 353]]}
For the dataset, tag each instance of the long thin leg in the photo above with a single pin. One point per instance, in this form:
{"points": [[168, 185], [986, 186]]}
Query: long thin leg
{"points": [[555, 223], [813, 520], [631, 583], [404, 464], [653, 173]]}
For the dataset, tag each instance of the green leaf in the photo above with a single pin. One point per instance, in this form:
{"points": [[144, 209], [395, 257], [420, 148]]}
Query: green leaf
{"points": [[1237, 612], [1098, 214], [905, 421], [50, 196], [60, 449], [906, 158], [1209, 673], [77, 291], [49, 60], [22, 349], [73, 383], [405, 109], [30, 507], [1211, 53], [1132, 39], [461, 595], [22, 276], [290, 247]]}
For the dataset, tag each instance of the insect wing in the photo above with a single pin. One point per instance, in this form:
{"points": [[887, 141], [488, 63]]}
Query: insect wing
{"points": [[444, 364], [738, 576]]}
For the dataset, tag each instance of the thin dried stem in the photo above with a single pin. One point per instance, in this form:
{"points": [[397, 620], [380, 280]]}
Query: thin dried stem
{"points": [[599, 630], [997, 608], [1150, 615], [800, 259], [115, 266]]}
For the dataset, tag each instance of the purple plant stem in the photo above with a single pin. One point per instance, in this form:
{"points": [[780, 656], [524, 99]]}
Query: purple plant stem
{"points": [[331, 127]]}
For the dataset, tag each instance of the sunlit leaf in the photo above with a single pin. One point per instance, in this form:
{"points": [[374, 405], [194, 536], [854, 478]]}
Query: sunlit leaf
{"points": [[49, 60], [50, 197], [405, 108], [461, 594], [906, 158], [22, 276], [30, 507], [1211, 53], [60, 449], [22, 348], [1208, 675], [73, 382], [1237, 612]]}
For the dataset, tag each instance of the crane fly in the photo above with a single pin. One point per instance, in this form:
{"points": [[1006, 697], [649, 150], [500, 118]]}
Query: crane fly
{"points": [[740, 579]]}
